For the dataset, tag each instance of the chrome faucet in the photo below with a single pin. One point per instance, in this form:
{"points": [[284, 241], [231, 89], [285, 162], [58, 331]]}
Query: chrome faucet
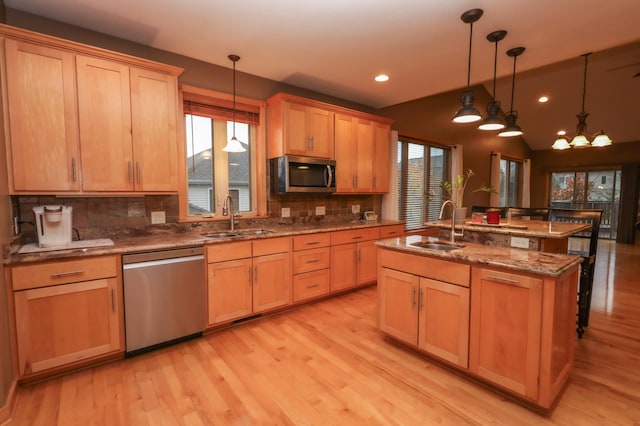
{"points": [[227, 209], [453, 220]]}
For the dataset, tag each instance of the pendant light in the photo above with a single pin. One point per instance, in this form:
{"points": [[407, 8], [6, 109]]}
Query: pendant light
{"points": [[234, 145], [468, 113], [492, 121], [512, 128], [580, 140]]}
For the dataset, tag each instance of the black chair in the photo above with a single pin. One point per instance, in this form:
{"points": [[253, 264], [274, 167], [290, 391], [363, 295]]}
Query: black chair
{"points": [[584, 244], [483, 209], [539, 213]]}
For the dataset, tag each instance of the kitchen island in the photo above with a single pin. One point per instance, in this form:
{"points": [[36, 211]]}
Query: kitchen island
{"points": [[551, 237], [503, 316]]}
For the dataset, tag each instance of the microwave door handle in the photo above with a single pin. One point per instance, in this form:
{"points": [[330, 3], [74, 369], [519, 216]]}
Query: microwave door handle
{"points": [[328, 177]]}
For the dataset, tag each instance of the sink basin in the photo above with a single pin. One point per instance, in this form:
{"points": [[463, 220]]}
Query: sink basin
{"points": [[438, 245], [236, 233]]}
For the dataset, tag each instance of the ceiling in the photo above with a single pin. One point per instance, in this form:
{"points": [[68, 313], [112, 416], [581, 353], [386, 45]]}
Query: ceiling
{"points": [[336, 47]]}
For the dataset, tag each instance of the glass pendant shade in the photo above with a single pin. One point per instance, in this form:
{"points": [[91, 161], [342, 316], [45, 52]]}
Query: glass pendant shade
{"points": [[601, 139], [233, 145], [561, 143], [512, 128], [580, 141]]}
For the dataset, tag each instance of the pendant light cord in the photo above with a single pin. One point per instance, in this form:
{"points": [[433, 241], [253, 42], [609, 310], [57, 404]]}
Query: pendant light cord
{"points": [[495, 67], [234, 97], [584, 85], [513, 83], [469, 62]]}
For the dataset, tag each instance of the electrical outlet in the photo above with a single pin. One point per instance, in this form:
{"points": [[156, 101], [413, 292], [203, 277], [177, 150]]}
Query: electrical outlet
{"points": [[158, 217], [285, 212], [355, 208], [320, 211], [520, 242]]}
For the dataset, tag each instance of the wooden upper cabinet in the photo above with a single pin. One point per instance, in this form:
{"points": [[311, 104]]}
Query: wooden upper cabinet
{"points": [[154, 103], [87, 120], [105, 124], [43, 126], [381, 156], [298, 128]]}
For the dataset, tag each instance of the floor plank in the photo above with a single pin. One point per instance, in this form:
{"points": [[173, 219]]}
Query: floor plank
{"points": [[326, 363]]}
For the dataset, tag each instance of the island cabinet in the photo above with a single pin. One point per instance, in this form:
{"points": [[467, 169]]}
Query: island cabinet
{"points": [[424, 302], [67, 313], [353, 257], [247, 277], [311, 266], [362, 154], [522, 331], [298, 126], [81, 119]]}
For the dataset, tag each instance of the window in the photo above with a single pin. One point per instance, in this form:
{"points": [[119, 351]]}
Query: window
{"points": [[510, 182], [422, 167], [589, 189], [210, 173]]}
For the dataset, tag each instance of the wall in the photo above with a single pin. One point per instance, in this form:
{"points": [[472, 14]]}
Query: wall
{"points": [[430, 119]]}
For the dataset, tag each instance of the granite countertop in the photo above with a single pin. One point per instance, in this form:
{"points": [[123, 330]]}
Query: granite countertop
{"points": [[519, 227], [535, 262], [164, 240]]}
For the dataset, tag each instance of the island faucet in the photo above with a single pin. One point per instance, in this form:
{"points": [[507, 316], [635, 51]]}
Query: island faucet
{"points": [[227, 209], [453, 220]]}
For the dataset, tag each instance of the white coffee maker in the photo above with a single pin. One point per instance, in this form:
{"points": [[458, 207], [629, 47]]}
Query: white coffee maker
{"points": [[53, 224]]}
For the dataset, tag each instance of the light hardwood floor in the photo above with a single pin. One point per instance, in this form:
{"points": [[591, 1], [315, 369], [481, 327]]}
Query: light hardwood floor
{"points": [[326, 364]]}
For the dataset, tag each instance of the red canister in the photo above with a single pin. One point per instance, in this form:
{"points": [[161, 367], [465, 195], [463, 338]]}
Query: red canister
{"points": [[493, 216]]}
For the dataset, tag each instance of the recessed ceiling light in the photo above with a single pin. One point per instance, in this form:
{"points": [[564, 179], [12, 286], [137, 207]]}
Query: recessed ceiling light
{"points": [[381, 78], [543, 99], [562, 132]]}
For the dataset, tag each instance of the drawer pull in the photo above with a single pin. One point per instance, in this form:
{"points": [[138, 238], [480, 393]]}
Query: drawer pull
{"points": [[357, 237], [508, 280], [313, 285], [69, 273], [313, 261], [311, 243]]}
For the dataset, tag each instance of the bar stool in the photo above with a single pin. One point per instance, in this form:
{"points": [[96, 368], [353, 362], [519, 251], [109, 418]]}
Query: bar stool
{"points": [[583, 244], [540, 213]]}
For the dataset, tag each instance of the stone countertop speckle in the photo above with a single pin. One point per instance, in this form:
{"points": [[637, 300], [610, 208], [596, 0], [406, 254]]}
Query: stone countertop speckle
{"points": [[535, 262], [519, 228], [164, 240]]}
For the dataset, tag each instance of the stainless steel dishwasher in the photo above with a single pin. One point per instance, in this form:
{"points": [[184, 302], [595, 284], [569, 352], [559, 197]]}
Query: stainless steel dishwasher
{"points": [[165, 297]]}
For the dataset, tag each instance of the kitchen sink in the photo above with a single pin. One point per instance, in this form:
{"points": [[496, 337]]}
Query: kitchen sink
{"points": [[236, 233], [438, 245]]}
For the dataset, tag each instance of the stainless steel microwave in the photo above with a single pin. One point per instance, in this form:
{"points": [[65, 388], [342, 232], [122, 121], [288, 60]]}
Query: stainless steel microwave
{"points": [[290, 174]]}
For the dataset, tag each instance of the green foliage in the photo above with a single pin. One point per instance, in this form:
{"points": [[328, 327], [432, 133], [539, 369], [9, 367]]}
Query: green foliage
{"points": [[459, 184]]}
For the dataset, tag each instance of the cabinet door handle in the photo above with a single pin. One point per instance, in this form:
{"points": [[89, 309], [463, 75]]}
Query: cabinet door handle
{"points": [[113, 300], [354, 179], [250, 276], [130, 167], [508, 280], [74, 174], [420, 300], [68, 273], [137, 172], [374, 181], [313, 285], [413, 297], [357, 253], [255, 277]]}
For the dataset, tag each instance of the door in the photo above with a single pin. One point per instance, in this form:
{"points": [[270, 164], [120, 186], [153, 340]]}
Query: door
{"points": [[381, 161], [44, 149], [443, 328], [506, 316], [154, 121], [62, 324], [105, 125], [367, 266], [398, 304], [229, 290], [343, 266], [271, 281]]}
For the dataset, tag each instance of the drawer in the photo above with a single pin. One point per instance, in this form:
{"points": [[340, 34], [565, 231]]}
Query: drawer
{"points": [[311, 260], [69, 271], [228, 251], [308, 241], [271, 246], [427, 267], [355, 235], [391, 231], [311, 284]]}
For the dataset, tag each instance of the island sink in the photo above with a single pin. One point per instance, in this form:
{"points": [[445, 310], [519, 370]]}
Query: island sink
{"points": [[236, 233], [438, 245]]}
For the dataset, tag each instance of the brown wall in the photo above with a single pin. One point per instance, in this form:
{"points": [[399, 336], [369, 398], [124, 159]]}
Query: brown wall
{"points": [[430, 119]]}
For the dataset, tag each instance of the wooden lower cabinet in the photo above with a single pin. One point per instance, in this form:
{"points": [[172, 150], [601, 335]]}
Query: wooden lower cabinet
{"points": [[246, 278], [66, 323], [354, 256], [432, 315]]}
